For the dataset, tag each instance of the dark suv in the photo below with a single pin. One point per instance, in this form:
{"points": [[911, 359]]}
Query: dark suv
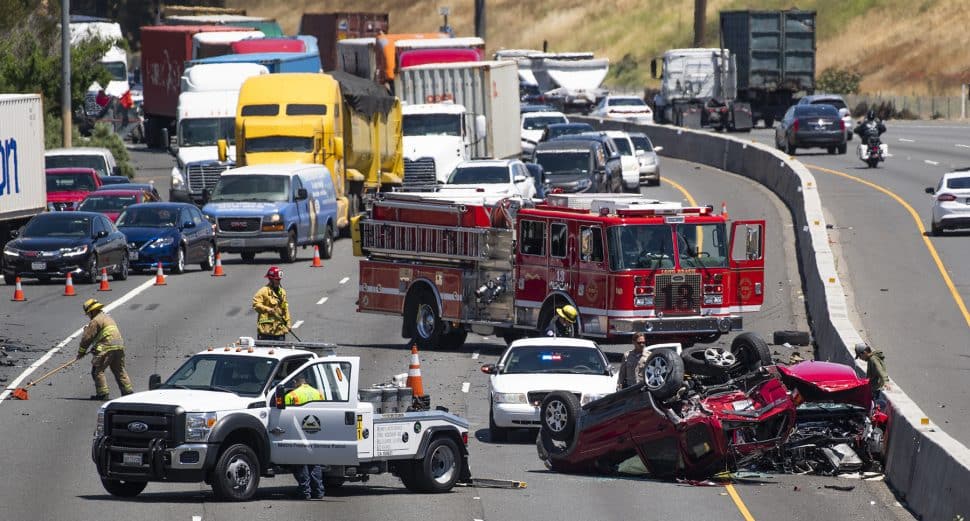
{"points": [[613, 179], [572, 166]]}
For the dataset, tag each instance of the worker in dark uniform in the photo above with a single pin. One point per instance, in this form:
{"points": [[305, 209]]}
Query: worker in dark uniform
{"points": [[103, 338], [565, 323], [272, 307], [629, 375], [309, 477]]}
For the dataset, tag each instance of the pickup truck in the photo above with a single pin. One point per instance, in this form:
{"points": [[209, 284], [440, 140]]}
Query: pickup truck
{"points": [[221, 418]]}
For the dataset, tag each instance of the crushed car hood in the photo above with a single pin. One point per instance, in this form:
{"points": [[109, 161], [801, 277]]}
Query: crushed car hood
{"points": [[827, 382]]}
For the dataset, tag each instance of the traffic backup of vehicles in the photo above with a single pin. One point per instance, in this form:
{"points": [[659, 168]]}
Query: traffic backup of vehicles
{"points": [[67, 187], [170, 234], [274, 208], [573, 166], [222, 418], [627, 264], [492, 176], [437, 136], [698, 88]]}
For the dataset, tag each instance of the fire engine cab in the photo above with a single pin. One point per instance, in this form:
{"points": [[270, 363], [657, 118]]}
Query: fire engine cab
{"points": [[450, 264]]}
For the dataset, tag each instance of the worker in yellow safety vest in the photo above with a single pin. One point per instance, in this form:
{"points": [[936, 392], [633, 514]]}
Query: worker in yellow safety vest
{"points": [[309, 477], [103, 338], [272, 308]]}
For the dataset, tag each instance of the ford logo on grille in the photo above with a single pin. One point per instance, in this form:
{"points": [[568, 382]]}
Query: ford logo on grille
{"points": [[137, 426]]}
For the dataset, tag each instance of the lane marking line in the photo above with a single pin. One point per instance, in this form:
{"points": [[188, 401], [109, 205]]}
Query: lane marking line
{"points": [[465, 387], [934, 163], [344, 280], [297, 324], [922, 232], [906, 140], [475, 355], [196, 518], [742, 508], [738, 503], [47, 356], [323, 300], [961, 145]]}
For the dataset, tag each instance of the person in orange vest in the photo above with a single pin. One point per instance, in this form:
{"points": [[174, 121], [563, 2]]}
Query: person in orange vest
{"points": [[309, 477]]}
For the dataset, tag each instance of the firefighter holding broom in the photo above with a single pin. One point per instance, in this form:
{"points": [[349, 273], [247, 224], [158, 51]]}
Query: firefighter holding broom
{"points": [[103, 338], [273, 309]]}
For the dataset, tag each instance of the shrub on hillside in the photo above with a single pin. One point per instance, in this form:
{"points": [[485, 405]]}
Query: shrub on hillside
{"points": [[838, 81]]}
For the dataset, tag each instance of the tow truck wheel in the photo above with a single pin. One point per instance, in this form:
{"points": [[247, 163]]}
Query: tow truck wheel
{"points": [[663, 374], [427, 326], [119, 488], [439, 469], [752, 351], [405, 471], [236, 475], [558, 415]]}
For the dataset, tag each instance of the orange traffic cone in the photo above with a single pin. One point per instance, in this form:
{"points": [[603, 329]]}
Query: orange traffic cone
{"points": [[217, 270], [69, 286], [414, 374], [724, 212], [104, 280], [18, 293], [316, 257], [159, 276]]}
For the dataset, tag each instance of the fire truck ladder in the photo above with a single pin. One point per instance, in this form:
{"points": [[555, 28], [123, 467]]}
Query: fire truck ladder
{"points": [[412, 240]]}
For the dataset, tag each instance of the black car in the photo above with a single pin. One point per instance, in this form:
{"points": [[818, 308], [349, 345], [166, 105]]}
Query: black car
{"points": [[114, 180], [613, 180], [148, 187], [811, 126], [572, 166], [57, 243], [554, 130]]}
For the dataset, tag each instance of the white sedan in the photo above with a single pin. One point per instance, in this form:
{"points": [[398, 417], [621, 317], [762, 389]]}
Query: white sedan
{"points": [[493, 177], [951, 202], [629, 108], [532, 368]]}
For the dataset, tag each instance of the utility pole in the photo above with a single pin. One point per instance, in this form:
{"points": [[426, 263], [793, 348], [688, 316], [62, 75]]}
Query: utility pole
{"points": [[66, 70], [480, 18], [700, 9]]}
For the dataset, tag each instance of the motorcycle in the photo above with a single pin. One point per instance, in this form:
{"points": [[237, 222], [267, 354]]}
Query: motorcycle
{"points": [[871, 150]]}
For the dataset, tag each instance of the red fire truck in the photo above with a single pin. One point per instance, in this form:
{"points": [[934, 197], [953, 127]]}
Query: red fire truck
{"points": [[450, 264]]}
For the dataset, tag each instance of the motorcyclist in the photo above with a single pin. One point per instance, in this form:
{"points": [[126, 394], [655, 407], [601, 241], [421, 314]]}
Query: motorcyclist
{"points": [[871, 127]]}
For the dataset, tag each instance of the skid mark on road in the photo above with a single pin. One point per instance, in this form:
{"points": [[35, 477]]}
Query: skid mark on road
{"points": [[47, 356], [922, 231]]}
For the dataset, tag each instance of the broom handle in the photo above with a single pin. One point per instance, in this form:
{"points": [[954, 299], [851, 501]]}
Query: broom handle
{"points": [[48, 373]]}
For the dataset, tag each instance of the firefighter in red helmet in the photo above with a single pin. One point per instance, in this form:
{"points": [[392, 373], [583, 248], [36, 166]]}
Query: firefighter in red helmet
{"points": [[272, 307]]}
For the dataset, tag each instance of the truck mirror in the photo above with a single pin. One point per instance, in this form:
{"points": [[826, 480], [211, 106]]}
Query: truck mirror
{"points": [[223, 148], [154, 382], [301, 194], [653, 69], [338, 147], [481, 126], [279, 397], [929, 190]]}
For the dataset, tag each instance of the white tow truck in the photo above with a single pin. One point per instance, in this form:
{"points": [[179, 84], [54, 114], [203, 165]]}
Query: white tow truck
{"points": [[221, 418]]}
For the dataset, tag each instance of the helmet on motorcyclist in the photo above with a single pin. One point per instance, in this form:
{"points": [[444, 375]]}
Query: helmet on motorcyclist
{"points": [[871, 115]]}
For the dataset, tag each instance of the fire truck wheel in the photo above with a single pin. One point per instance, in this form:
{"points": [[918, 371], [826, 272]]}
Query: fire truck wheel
{"points": [[663, 374], [559, 414], [752, 351], [795, 338], [427, 327]]}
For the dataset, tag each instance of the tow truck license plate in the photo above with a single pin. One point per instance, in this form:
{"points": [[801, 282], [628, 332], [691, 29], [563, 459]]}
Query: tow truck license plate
{"points": [[130, 459], [38, 266], [133, 255]]}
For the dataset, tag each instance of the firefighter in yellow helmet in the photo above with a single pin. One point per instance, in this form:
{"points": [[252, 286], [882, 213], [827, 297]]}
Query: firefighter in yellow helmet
{"points": [[272, 307], [565, 323], [103, 338]]}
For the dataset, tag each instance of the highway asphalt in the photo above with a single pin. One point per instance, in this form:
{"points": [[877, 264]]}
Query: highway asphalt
{"points": [[46, 440], [903, 303]]}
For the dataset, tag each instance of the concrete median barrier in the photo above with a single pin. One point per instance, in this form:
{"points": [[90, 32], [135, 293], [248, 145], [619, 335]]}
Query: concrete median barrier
{"points": [[926, 467]]}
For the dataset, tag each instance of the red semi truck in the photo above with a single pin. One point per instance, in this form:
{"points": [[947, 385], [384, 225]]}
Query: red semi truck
{"points": [[164, 51]]}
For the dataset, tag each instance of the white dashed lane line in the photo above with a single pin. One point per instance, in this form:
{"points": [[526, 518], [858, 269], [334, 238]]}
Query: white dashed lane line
{"points": [[904, 140], [934, 163], [297, 324], [475, 355], [322, 300], [465, 387], [962, 145], [344, 280]]}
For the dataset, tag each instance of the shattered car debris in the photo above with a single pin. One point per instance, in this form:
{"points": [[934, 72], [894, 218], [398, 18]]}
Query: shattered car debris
{"points": [[743, 412]]}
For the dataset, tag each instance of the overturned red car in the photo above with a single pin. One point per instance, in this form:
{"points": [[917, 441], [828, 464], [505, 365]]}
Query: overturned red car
{"points": [[702, 423]]}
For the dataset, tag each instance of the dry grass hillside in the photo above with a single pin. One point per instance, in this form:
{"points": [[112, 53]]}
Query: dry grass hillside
{"points": [[899, 46]]}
